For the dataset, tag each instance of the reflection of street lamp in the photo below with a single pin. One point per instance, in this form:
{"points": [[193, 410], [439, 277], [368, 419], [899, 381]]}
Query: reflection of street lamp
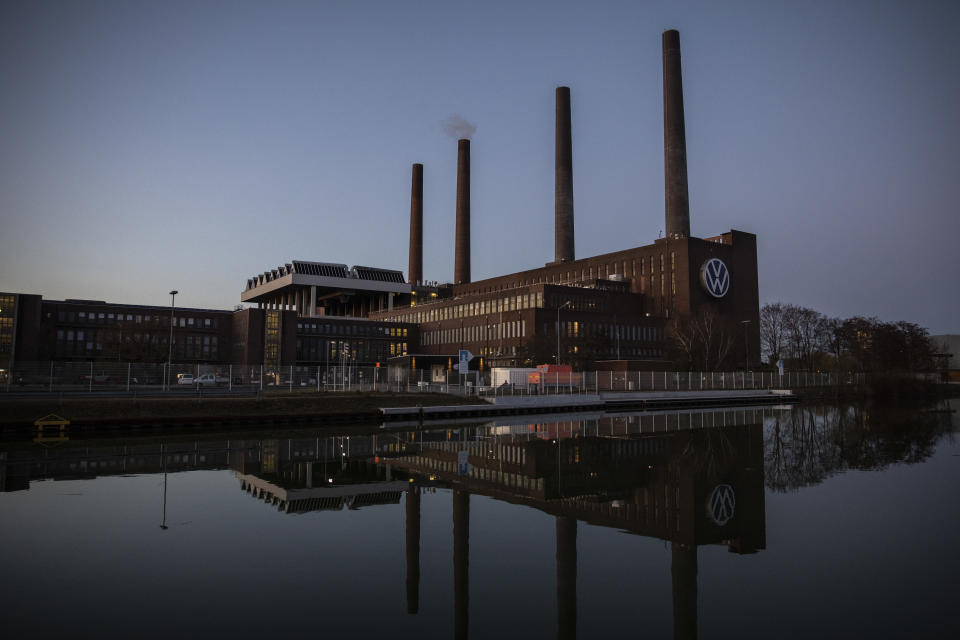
{"points": [[163, 525], [565, 304], [173, 297], [746, 344]]}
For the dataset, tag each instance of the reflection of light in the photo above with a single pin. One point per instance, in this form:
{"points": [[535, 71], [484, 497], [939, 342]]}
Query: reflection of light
{"points": [[433, 477], [343, 455], [330, 480]]}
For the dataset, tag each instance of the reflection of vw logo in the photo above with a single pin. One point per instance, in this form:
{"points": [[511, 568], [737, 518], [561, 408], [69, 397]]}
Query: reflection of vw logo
{"points": [[715, 277], [721, 505]]}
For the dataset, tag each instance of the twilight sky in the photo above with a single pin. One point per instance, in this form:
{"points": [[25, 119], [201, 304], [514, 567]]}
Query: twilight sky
{"points": [[149, 146]]}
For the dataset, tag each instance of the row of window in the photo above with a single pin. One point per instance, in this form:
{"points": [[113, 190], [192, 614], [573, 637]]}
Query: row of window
{"points": [[622, 352], [351, 330], [109, 318], [6, 306], [472, 309], [626, 332], [137, 345], [459, 335], [635, 268], [319, 350], [6, 335]]}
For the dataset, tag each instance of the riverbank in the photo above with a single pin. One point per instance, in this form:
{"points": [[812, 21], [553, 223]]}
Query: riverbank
{"points": [[886, 391], [125, 412]]}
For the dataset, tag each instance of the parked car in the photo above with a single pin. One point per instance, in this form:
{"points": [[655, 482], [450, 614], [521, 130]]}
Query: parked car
{"points": [[185, 378], [98, 378]]}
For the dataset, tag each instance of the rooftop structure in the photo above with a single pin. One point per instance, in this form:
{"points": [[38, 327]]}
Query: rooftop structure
{"points": [[324, 288]]}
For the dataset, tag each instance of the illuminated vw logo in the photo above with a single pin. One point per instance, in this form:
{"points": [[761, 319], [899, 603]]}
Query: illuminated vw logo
{"points": [[715, 277], [721, 504]]}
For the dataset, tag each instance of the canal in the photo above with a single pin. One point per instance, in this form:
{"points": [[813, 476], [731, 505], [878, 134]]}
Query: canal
{"points": [[787, 521]]}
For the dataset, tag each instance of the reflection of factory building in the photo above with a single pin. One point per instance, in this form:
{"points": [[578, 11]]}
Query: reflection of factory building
{"points": [[690, 486], [651, 482], [299, 500], [612, 306], [679, 477]]}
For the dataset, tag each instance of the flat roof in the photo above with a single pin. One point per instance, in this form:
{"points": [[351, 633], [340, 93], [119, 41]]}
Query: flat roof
{"points": [[327, 276]]}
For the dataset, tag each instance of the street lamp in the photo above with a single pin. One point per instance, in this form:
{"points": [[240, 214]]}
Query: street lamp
{"points": [[746, 344], [173, 297], [565, 304]]}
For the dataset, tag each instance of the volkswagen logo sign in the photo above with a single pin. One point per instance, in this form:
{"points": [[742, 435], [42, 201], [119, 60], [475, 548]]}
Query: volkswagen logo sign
{"points": [[715, 277], [721, 504]]}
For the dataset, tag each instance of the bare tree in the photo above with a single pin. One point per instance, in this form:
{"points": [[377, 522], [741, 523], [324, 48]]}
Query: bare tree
{"points": [[773, 330], [702, 341]]}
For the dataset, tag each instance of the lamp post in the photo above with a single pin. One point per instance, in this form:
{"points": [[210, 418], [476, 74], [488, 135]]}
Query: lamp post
{"points": [[746, 343], [173, 297], [565, 304]]}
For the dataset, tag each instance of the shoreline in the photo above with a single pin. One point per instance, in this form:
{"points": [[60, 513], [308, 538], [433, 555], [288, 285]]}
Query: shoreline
{"points": [[282, 410]]}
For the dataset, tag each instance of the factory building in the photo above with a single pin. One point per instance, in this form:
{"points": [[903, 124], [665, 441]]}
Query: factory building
{"points": [[619, 306], [616, 306]]}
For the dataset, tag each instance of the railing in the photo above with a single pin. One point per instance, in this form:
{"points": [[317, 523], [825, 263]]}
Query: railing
{"points": [[136, 377], [139, 378]]}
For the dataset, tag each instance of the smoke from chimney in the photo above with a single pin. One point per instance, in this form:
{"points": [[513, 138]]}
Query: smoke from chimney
{"points": [[461, 267], [674, 140], [415, 272], [456, 127]]}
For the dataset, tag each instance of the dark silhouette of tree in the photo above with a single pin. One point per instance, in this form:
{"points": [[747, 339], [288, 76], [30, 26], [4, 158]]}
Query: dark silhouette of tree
{"points": [[810, 340], [702, 341]]}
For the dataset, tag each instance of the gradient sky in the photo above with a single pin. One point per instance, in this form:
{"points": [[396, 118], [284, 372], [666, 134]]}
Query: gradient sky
{"points": [[147, 146]]}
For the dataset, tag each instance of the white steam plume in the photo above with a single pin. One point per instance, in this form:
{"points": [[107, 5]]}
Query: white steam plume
{"points": [[456, 127]]}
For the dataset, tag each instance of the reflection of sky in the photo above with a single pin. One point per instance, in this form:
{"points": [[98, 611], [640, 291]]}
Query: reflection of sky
{"points": [[863, 554], [159, 145]]}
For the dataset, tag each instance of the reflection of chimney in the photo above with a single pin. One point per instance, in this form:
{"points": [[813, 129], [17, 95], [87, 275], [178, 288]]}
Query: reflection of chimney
{"points": [[413, 546], [415, 272], [461, 268], [461, 561], [684, 572], [674, 140], [566, 577], [563, 181]]}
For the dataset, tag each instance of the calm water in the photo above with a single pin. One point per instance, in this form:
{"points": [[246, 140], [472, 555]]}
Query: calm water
{"points": [[791, 522]]}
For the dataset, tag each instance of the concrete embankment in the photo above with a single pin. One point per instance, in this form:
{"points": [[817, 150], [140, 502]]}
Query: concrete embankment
{"points": [[114, 415], [17, 416], [638, 401]]}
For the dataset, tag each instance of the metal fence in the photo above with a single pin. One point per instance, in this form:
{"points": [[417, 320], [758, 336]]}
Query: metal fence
{"points": [[137, 377], [161, 377]]}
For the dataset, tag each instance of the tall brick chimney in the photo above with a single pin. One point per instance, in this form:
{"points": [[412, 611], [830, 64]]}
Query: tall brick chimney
{"points": [[674, 140], [461, 270], [415, 272], [563, 181]]}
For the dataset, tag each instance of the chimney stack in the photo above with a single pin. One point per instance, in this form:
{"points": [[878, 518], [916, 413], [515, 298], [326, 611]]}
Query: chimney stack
{"points": [[563, 181], [461, 271], [415, 272], [674, 140]]}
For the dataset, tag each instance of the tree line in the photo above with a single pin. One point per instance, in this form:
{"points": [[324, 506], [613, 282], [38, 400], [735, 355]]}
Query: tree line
{"points": [[805, 338]]}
